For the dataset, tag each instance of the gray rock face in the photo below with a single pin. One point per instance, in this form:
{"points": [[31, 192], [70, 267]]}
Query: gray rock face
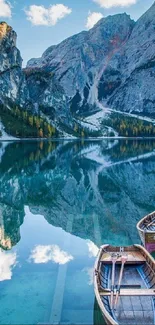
{"points": [[29, 89], [136, 92], [12, 82], [46, 93], [112, 64], [79, 62], [10, 55]]}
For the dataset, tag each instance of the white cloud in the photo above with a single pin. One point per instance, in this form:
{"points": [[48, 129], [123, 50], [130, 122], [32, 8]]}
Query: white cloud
{"points": [[5, 9], [89, 272], [7, 262], [44, 254], [93, 249], [115, 3], [39, 15], [93, 18]]}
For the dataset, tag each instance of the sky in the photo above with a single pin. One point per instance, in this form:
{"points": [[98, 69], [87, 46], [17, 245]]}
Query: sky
{"points": [[42, 23]]}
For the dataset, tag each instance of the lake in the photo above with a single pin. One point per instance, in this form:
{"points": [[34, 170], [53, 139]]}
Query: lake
{"points": [[59, 201]]}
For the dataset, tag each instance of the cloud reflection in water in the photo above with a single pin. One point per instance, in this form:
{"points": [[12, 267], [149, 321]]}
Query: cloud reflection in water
{"points": [[89, 272], [7, 262], [43, 254], [93, 249]]}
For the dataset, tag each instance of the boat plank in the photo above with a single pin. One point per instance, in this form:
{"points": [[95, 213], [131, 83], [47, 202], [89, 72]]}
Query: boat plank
{"points": [[131, 292], [134, 257]]}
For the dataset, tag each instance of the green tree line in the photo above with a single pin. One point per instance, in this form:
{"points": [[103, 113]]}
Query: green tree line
{"points": [[127, 126], [21, 123]]}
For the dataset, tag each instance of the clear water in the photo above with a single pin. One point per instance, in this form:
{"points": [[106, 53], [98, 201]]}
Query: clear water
{"points": [[59, 201]]}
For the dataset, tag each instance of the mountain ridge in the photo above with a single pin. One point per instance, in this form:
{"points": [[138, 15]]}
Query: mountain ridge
{"points": [[84, 50], [110, 68]]}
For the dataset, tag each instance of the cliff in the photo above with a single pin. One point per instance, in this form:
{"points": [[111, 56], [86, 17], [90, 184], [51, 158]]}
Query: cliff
{"points": [[12, 81]]}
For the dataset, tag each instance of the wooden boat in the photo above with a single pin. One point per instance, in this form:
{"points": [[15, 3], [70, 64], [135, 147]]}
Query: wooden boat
{"points": [[124, 283], [146, 229]]}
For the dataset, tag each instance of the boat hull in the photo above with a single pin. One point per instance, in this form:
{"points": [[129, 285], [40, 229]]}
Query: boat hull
{"points": [[147, 236]]}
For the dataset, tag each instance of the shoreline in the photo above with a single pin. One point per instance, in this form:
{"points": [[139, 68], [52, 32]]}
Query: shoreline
{"points": [[74, 139]]}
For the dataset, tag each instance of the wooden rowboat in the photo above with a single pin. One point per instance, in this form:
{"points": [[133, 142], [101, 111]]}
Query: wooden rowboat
{"points": [[146, 229], [124, 283]]}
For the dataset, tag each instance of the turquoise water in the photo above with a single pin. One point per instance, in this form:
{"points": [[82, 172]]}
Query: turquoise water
{"points": [[59, 201]]}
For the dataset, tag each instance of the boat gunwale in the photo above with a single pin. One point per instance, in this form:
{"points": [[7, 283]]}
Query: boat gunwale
{"points": [[98, 297], [144, 231], [104, 311]]}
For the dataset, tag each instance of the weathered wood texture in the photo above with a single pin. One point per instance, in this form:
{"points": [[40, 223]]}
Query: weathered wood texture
{"points": [[135, 305]]}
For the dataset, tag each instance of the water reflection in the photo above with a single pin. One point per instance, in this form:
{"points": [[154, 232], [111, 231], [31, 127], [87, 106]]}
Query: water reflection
{"points": [[7, 262], [11, 219], [98, 318], [93, 249], [43, 254], [100, 186]]}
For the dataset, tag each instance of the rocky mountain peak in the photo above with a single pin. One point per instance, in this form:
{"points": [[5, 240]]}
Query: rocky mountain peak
{"points": [[84, 55], [4, 29], [111, 31], [122, 18], [12, 82], [7, 34]]}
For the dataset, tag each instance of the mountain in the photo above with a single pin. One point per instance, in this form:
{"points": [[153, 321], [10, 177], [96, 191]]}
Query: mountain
{"points": [[113, 64], [98, 82], [80, 62], [21, 95]]}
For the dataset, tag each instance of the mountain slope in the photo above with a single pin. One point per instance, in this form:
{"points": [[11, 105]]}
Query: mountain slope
{"points": [[138, 69], [79, 61], [20, 99], [110, 65]]}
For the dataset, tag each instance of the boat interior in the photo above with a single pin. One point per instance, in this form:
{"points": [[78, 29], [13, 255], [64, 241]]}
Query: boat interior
{"points": [[136, 303], [148, 223]]}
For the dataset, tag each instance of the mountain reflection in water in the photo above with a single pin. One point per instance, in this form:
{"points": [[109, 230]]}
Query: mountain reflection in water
{"points": [[107, 183]]}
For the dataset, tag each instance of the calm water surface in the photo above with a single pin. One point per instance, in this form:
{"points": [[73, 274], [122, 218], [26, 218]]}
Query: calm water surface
{"points": [[59, 202]]}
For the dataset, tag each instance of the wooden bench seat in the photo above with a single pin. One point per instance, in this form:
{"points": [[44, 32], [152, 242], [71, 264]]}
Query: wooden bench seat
{"points": [[133, 258], [131, 292]]}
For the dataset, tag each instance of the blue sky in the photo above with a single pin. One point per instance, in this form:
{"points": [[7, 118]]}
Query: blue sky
{"points": [[50, 26]]}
